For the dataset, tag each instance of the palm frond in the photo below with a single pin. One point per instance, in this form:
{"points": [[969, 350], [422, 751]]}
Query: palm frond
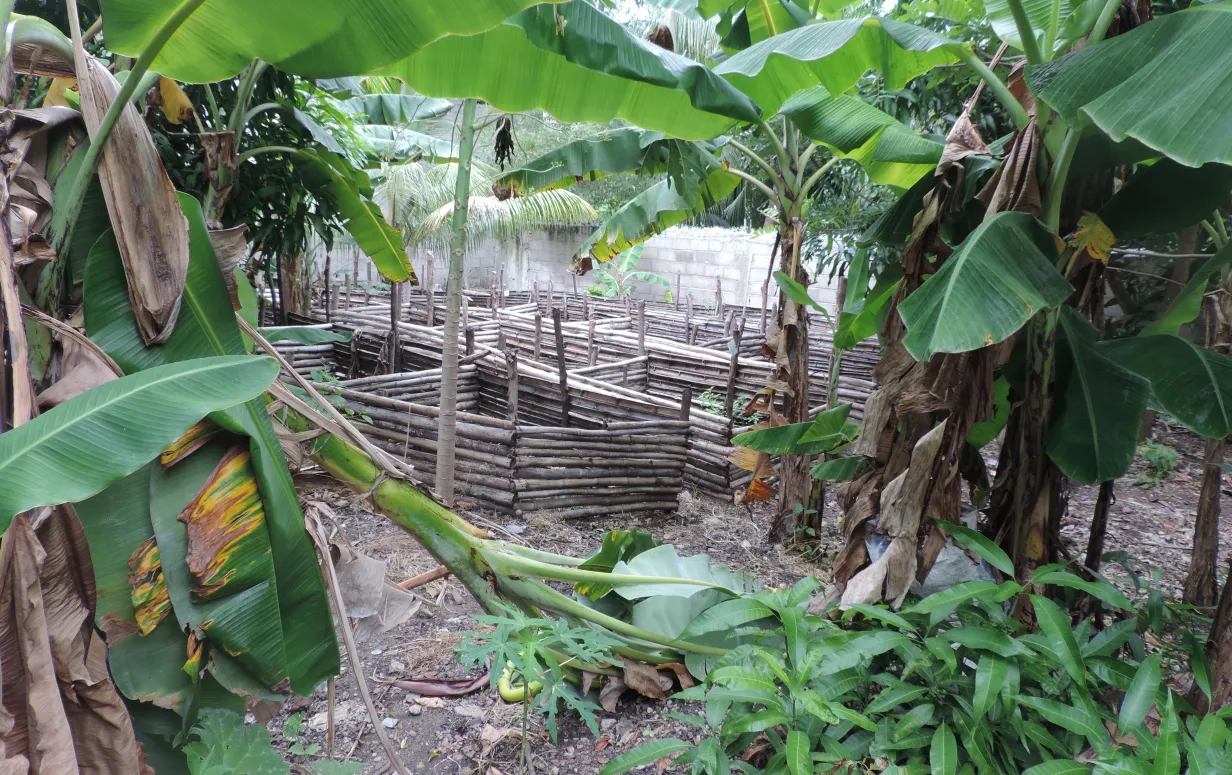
{"points": [[490, 217]]}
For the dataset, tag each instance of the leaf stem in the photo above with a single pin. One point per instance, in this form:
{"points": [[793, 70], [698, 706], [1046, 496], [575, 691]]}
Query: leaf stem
{"points": [[1030, 46], [264, 106], [1104, 21], [771, 195], [812, 181], [513, 565], [246, 155], [1056, 182], [1004, 95]]}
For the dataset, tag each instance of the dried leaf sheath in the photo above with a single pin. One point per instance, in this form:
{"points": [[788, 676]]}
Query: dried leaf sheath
{"points": [[228, 548], [151, 601]]}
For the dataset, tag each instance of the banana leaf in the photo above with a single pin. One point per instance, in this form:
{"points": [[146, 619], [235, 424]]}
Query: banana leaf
{"points": [[207, 327], [610, 152]]}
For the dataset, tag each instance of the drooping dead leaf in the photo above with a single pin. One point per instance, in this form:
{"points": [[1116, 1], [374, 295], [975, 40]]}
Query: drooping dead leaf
{"points": [[758, 491], [219, 154], [1016, 185], [81, 369], [609, 695], [645, 680], [228, 549], [378, 605], [151, 600], [63, 713], [230, 247], [683, 676], [150, 229]]}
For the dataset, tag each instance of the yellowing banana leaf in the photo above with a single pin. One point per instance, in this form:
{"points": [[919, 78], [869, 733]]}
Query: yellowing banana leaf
{"points": [[578, 64], [835, 55], [610, 152], [207, 326], [1142, 85], [192, 440], [151, 602], [654, 210], [197, 538], [1002, 274], [85, 444]]}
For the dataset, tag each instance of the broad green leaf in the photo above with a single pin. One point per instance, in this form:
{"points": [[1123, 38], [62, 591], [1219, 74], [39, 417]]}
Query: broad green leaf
{"points": [[904, 694], [726, 616], [1075, 18], [303, 335], [313, 39], [835, 55], [981, 545], [655, 210], [895, 223], [1073, 718], [1193, 385], [825, 432], [610, 152], [989, 678], [1188, 303], [831, 427], [1141, 694], [351, 191], [797, 293], [796, 633], [912, 720], [756, 722], [984, 639], [959, 593], [664, 562], [997, 279], [841, 469], [798, 753], [206, 327], [943, 752], [982, 433], [881, 613], [1093, 434], [87, 443], [1140, 85], [1055, 625], [1167, 751], [396, 108], [225, 744], [975, 738], [401, 142], [1196, 649], [941, 649], [860, 321], [1099, 589], [580, 66], [1212, 732], [1166, 197], [1111, 638], [1058, 767], [891, 153]]}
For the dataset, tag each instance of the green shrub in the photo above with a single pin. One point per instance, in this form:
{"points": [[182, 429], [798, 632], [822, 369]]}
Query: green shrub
{"points": [[1160, 460]]}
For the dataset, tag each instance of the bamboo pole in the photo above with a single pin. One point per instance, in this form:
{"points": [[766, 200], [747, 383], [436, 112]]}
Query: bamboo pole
{"points": [[560, 365]]}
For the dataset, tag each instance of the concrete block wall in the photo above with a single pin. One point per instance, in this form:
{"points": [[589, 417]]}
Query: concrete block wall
{"points": [[689, 258]]}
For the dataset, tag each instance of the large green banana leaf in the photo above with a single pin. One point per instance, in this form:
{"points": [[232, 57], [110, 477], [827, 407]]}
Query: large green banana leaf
{"points": [[396, 108], [400, 142], [745, 22], [207, 326], [609, 152], [891, 152], [1193, 385], [83, 445], [835, 55], [351, 191], [1188, 303], [1002, 274], [579, 65], [651, 212], [1165, 84], [1075, 19], [1166, 196], [1094, 426], [311, 38]]}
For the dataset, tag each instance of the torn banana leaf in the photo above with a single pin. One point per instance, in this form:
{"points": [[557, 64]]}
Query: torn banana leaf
{"points": [[207, 326]]}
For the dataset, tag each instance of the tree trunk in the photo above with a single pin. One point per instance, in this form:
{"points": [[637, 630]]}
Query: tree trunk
{"points": [[1200, 584], [295, 293], [1219, 650], [447, 432], [791, 357], [1099, 525]]}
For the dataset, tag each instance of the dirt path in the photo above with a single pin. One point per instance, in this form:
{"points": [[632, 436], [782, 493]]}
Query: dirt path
{"points": [[478, 733]]}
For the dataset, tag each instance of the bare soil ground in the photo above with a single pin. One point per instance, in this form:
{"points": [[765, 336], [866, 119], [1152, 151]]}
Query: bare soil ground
{"points": [[478, 733]]}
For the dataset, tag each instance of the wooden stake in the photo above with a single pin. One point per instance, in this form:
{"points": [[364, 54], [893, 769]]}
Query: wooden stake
{"points": [[765, 298], [346, 303], [393, 328], [561, 370], [729, 401], [329, 301], [676, 298], [641, 329], [718, 297], [689, 307], [686, 403], [538, 334], [430, 287], [469, 333], [511, 366], [592, 351]]}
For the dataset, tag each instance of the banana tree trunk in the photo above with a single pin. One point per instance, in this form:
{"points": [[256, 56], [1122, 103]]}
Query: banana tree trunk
{"points": [[447, 431], [795, 484], [1200, 583]]}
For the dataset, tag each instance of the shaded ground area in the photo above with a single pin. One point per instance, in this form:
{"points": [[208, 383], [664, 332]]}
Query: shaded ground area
{"points": [[478, 733]]}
